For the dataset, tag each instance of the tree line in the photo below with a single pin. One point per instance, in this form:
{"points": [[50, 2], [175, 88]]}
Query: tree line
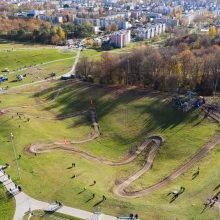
{"points": [[30, 29], [175, 66], [78, 31], [21, 29]]}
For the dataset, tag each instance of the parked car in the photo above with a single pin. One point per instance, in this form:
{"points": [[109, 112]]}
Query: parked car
{"points": [[3, 78], [68, 76], [54, 206]]}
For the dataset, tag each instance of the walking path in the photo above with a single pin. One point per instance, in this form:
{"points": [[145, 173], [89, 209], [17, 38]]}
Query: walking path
{"points": [[72, 71], [41, 64], [24, 203]]}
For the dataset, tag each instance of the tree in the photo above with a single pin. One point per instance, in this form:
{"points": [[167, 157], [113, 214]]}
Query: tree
{"points": [[178, 14], [114, 27], [187, 60], [108, 61], [84, 67], [101, 10], [212, 31], [55, 39], [143, 19], [87, 24], [61, 33], [108, 29]]}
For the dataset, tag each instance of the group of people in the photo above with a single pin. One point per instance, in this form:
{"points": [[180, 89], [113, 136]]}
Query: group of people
{"points": [[84, 189], [189, 101], [20, 115], [211, 202], [58, 203]]}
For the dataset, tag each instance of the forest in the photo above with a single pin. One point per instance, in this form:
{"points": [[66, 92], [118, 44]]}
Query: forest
{"points": [[34, 30]]}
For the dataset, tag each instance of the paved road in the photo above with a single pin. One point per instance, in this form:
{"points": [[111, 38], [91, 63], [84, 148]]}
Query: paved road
{"points": [[217, 206], [72, 71], [25, 202]]}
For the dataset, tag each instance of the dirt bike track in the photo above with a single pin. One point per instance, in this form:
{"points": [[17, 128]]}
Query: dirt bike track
{"points": [[151, 143]]}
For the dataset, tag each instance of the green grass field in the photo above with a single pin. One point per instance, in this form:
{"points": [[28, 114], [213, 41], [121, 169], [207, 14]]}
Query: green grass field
{"points": [[41, 215], [39, 73], [14, 60], [9, 45], [36, 61], [7, 205], [125, 119]]}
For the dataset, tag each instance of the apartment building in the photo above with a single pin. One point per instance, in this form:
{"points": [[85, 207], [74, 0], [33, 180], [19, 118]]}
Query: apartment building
{"points": [[120, 39], [151, 31]]}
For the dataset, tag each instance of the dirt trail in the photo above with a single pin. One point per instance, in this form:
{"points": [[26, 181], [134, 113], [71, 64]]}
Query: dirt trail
{"points": [[40, 147], [152, 143], [6, 110], [119, 190]]}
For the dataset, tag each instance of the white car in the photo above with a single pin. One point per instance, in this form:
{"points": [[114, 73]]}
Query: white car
{"points": [[14, 191], [54, 206]]}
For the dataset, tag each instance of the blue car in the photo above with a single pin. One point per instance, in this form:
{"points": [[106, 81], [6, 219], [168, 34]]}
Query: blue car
{"points": [[3, 79]]}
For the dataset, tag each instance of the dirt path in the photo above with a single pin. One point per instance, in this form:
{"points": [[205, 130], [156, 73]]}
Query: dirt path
{"points": [[119, 190], [152, 143], [39, 147], [69, 115], [7, 110], [41, 64]]}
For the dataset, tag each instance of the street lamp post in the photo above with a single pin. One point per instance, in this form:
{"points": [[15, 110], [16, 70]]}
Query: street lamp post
{"points": [[216, 84], [127, 72], [15, 155]]}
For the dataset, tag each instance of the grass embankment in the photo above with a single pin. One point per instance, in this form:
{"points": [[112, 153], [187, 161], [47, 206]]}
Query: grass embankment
{"points": [[41, 215], [125, 118], [7, 205]]}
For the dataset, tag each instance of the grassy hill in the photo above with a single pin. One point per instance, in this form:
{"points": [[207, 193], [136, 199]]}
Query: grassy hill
{"points": [[125, 117]]}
